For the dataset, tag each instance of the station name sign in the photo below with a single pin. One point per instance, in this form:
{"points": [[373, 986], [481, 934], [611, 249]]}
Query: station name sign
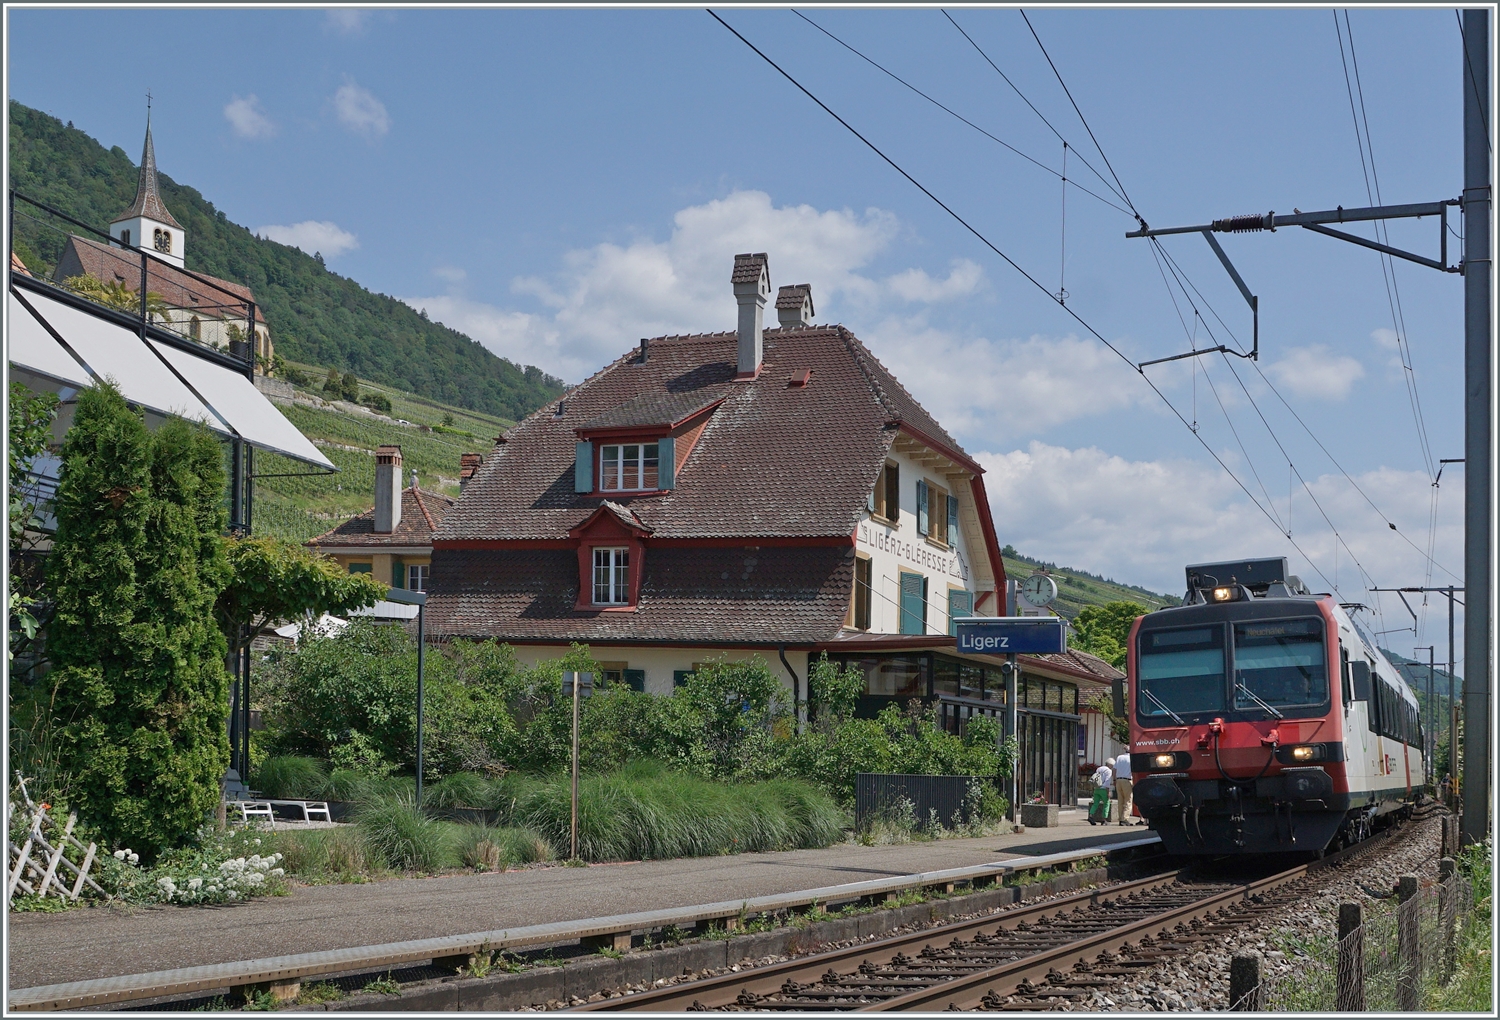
{"points": [[1012, 635]]}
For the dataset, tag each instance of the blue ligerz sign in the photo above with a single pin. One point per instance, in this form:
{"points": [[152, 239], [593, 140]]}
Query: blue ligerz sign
{"points": [[1012, 635]]}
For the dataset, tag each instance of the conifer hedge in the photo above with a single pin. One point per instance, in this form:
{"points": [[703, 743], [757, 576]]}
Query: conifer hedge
{"points": [[142, 691]]}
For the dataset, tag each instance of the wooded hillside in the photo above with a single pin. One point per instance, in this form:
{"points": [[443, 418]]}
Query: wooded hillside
{"points": [[316, 316]]}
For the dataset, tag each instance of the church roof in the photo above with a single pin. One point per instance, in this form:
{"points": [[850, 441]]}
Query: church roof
{"points": [[148, 201], [85, 257]]}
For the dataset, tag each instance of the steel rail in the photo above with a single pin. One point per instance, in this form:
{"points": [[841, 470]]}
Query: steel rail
{"points": [[967, 993], [301, 966], [764, 980]]}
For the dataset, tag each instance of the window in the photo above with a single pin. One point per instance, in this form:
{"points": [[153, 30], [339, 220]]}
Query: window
{"points": [[162, 241], [960, 604], [125, 238], [1283, 663], [195, 328], [416, 576], [885, 500], [611, 577], [913, 603], [628, 467], [1180, 671], [860, 610]]}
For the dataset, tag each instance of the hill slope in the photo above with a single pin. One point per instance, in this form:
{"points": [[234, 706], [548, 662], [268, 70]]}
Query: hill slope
{"points": [[316, 316], [1079, 588]]}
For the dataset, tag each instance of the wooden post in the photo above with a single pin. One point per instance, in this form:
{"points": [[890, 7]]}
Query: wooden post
{"points": [[1409, 947], [1350, 978], [1447, 908], [1246, 994]]}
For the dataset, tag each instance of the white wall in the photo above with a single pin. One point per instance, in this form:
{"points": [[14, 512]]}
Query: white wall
{"points": [[903, 548], [660, 663]]}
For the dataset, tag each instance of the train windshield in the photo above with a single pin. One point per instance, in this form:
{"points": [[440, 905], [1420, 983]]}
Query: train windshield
{"points": [[1180, 672], [1281, 663]]}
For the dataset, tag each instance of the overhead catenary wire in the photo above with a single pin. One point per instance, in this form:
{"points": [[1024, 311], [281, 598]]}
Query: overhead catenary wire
{"points": [[955, 114], [1016, 266]]}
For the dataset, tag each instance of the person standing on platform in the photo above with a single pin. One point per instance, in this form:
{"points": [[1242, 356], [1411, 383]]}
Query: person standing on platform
{"points": [[1123, 789]]}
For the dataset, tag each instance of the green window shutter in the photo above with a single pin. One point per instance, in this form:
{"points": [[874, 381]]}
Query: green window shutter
{"points": [[952, 519], [666, 462], [583, 467], [398, 573], [960, 604], [635, 679], [913, 604], [922, 522]]}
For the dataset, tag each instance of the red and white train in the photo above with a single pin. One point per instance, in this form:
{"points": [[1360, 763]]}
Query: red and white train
{"points": [[1264, 720]]}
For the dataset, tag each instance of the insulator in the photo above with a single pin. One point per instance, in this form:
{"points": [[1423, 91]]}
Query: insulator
{"points": [[1243, 224]]}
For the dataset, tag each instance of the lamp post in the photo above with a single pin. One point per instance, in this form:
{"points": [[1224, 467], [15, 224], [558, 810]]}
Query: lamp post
{"points": [[418, 599]]}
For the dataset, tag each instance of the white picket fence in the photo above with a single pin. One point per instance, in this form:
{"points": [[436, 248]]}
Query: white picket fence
{"points": [[40, 866]]}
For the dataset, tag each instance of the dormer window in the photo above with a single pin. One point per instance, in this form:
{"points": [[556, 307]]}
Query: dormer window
{"points": [[629, 467], [611, 576]]}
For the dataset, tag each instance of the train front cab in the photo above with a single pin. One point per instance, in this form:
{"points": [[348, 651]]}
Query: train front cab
{"points": [[1239, 729]]}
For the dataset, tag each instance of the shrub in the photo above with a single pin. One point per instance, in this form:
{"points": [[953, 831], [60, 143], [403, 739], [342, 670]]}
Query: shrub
{"points": [[292, 776], [489, 849], [376, 402], [316, 854], [397, 834], [462, 789], [135, 570]]}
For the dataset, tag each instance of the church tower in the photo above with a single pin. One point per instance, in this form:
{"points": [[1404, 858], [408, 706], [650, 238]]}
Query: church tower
{"points": [[147, 223]]}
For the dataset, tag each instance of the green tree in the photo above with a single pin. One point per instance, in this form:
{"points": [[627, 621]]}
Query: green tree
{"points": [[30, 427], [333, 385], [141, 691], [1105, 630], [833, 693], [272, 580], [349, 388]]}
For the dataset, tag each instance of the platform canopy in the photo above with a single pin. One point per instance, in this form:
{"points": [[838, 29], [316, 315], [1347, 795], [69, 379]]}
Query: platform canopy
{"points": [[57, 344]]}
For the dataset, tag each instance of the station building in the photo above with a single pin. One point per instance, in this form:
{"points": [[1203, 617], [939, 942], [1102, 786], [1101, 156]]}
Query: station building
{"points": [[757, 492]]}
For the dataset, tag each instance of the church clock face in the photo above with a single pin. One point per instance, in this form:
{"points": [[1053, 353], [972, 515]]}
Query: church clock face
{"points": [[163, 241], [1039, 590]]}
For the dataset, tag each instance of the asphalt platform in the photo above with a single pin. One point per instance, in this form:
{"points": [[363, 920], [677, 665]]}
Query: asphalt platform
{"points": [[111, 940]]}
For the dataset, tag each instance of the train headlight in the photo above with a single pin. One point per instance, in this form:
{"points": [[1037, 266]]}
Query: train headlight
{"points": [[1223, 594], [1303, 753], [1164, 761]]}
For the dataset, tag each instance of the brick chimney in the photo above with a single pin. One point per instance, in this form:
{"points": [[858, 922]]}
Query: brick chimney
{"points": [[752, 285], [387, 489], [794, 306], [468, 466]]}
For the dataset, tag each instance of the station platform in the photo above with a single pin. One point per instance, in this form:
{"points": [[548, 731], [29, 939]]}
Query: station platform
{"points": [[53, 948]]}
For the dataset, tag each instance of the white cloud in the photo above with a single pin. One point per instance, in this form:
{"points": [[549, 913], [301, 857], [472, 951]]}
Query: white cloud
{"points": [[1316, 372], [1141, 522], [1006, 388], [1385, 339], [964, 279], [322, 236], [607, 296], [453, 274], [248, 118], [359, 110], [347, 20]]}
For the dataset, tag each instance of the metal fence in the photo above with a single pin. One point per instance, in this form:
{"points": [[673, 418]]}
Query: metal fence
{"points": [[914, 802], [1396, 959]]}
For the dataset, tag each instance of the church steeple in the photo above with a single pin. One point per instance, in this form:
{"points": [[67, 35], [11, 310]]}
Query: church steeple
{"points": [[147, 223]]}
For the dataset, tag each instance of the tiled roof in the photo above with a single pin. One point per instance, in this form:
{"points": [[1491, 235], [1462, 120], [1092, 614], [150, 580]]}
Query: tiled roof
{"points": [[747, 268], [792, 295], [1083, 661], [740, 595], [421, 514], [656, 409], [107, 263], [148, 201], [772, 462], [17, 266]]}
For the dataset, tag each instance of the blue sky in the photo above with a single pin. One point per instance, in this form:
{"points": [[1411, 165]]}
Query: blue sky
{"points": [[560, 183]]}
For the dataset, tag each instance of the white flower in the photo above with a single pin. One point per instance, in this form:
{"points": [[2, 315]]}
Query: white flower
{"points": [[195, 883], [119, 855], [257, 841], [135, 858], [277, 872], [233, 895]]}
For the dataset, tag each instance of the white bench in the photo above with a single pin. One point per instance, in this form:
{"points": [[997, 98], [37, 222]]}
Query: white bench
{"points": [[252, 809], [307, 807]]}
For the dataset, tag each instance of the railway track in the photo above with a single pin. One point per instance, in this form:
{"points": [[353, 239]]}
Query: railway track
{"points": [[1021, 959]]}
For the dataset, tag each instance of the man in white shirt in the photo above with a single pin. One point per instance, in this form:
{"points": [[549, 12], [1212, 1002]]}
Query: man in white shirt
{"points": [[1123, 789]]}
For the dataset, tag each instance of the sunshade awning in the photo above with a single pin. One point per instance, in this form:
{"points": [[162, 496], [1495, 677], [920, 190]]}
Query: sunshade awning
{"points": [[70, 345]]}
